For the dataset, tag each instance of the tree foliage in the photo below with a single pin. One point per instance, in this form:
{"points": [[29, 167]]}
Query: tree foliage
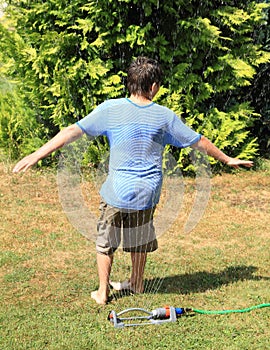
{"points": [[258, 93], [68, 56], [20, 131]]}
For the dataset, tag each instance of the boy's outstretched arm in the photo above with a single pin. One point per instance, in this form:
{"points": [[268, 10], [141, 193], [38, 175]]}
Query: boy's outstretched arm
{"points": [[206, 146], [64, 137]]}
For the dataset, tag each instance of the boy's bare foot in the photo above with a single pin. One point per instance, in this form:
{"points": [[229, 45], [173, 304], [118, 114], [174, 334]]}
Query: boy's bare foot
{"points": [[100, 299], [126, 285]]}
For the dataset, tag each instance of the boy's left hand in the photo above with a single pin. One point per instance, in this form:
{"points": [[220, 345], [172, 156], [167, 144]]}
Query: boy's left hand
{"points": [[235, 163]]}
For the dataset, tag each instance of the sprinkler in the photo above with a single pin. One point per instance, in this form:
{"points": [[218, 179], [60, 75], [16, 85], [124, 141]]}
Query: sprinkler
{"points": [[158, 316], [165, 314]]}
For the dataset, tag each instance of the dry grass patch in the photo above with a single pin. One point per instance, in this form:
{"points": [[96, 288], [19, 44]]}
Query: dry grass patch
{"points": [[47, 269]]}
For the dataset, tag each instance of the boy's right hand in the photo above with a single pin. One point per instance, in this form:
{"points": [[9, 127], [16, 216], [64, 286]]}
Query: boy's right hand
{"points": [[64, 137], [26, 163]]}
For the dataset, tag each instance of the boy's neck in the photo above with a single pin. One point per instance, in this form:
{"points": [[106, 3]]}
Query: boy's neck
{"points": [[140, 100]]}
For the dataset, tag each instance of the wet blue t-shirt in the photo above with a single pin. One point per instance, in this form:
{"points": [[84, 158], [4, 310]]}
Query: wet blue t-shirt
{"points": [[137, 136]]}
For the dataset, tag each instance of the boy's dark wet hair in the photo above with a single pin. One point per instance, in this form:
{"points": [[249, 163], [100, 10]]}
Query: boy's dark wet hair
{"points": [[142, 74]]}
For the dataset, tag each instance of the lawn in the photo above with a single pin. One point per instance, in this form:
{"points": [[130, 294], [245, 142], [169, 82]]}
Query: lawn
{"points": [[48, 270]]}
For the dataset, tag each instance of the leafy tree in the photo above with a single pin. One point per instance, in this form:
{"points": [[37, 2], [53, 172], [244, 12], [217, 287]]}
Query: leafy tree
{"points": [[258, 93], [20, 132], [74, 55]]}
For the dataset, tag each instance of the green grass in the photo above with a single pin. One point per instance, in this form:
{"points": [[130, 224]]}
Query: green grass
{"points": [[48, 271]]}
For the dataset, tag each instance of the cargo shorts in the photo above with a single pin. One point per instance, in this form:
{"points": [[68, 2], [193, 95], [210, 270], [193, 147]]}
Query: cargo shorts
{"points": [[132, 230]]}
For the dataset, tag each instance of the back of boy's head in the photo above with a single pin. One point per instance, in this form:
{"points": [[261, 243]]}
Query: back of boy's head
{"points": [[142, 74]]}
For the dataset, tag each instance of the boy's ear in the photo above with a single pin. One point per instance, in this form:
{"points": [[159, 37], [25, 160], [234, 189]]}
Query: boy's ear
{"points": [[154, 88]]}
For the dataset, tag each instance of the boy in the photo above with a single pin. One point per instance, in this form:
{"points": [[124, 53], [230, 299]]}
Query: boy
{"points": [[137, 130]]}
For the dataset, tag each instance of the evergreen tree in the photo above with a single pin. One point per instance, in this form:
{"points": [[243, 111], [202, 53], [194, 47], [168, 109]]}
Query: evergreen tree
{"points": [[258, 93], [74, 54]]}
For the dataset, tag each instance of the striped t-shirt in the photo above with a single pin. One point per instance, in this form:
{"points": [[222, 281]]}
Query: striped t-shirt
{"points": [[137, 135]]}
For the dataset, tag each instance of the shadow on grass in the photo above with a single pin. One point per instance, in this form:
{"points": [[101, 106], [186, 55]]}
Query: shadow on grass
{"points": [[201, 281], [195, 282]]}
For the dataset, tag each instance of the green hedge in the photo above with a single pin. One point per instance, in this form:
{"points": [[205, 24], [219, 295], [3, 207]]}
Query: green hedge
{"points": [[68, 56]]}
